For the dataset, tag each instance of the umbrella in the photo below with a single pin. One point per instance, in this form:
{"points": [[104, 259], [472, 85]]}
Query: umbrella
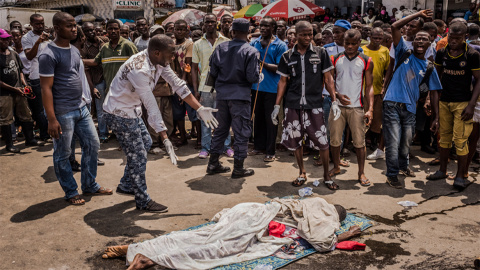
{"points": [[248, 11], [191, 16], [222, 10], [82, 18], [289, 9]]}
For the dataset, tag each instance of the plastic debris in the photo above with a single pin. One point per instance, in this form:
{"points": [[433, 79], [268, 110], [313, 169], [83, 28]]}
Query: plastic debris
{"points": [[407, 203], [316, 183], [306, 191], [263, 267], [156, 151]]}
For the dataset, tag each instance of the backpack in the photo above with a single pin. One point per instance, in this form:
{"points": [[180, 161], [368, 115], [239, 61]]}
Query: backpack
{"points": [[423, 86]]}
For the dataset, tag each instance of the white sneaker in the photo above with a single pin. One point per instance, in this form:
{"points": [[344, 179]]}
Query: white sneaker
{"points": [[377, 154]]}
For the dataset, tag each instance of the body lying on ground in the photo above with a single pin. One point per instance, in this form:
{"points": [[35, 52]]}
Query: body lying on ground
{"points": [[241, 234]]}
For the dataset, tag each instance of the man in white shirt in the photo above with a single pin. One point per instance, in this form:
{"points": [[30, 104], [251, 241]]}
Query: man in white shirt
{"points": [[142, 27], [132, 87], [33, 43]]}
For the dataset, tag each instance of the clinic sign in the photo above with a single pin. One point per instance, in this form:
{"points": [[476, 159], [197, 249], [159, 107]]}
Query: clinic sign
{"points": [[127, 5]]}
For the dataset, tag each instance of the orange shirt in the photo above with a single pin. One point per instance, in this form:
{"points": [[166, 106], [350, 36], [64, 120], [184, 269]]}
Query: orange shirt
{"points": [[442, 43]]}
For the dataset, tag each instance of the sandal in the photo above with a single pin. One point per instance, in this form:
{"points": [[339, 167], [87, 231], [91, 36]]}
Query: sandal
{"points": [[460, 184], [364, 182], [100, 191], [269, 158], [344, 163], [76, 200], [255, 152], [317, 163], [299, 181], [331, 185], [452, 176], [438, 175]]}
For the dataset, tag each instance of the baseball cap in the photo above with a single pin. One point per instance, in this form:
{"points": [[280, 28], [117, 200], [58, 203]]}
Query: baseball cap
{"points": [[4, 34], [241, 25], [155, 27], [344, 24]]}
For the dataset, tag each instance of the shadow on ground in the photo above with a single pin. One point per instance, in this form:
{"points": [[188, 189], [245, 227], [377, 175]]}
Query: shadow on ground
{"points": [[120, 219], [217, 184], [40, 210]]}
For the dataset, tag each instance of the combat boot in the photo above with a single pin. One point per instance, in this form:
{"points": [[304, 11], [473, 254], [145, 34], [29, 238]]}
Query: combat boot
{"points": [[7, 136], [239, 171], [214, 166]]}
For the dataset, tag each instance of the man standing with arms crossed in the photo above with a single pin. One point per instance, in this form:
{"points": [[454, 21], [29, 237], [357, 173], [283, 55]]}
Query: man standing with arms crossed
{"points": [[202, 50], [33, 43], [456, 64]]}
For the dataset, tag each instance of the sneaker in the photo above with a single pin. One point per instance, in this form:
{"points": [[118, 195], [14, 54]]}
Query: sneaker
{"points": [[123, 192], [203, 154], [393, 182], [100, 162], [155, 207], [377, 154], [408, 172], [229, 152]]}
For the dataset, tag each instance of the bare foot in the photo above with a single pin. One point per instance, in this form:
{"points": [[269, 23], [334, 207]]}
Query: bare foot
{"points": [[115, 251], [141, 262], [333, 172]]}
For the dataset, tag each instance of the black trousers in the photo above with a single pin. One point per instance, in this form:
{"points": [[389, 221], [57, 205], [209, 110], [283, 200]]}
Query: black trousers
{"points": [[265, 132]]}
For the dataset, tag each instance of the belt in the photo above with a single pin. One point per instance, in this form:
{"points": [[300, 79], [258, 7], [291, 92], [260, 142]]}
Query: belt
{"points": [[399, 104]]}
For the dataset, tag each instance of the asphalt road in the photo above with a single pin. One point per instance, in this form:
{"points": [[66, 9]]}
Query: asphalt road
{"points": [[39, 230]]}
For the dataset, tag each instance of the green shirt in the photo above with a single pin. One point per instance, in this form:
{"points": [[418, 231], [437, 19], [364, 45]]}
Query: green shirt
{"points": [[112, 58]]}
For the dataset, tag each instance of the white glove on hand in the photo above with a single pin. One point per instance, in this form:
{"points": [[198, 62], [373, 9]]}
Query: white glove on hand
{"points": [[336, 110], [261, 78], [170, 151], [276, 110], [205, 114]]}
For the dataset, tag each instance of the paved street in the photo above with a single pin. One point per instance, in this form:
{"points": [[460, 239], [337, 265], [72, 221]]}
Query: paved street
{"points": [[39, 230]]}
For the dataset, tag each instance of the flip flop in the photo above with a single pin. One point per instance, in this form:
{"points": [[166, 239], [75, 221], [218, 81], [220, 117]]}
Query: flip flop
{"points": [[73, 200], [332, 173], [299, 181], [330, 184], [344, 163], [364, 183], [438, 175], [100, 191], [459, 183], [255, 153]]}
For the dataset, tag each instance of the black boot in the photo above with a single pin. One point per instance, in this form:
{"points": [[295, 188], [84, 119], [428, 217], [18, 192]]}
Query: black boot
{"points": [[27, 129], [214, 166], [239, 171], [7, 135]]}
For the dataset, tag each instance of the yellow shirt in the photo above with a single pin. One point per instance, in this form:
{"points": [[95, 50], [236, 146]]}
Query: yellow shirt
{"points": [[202, 50], [381, 60]]}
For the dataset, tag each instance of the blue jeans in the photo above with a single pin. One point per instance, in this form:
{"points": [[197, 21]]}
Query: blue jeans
{"points": [[398, 128], [133, 136], [207, 99], [74, 138], [36, 106], [80, 123], [327, 104], [102, 124]]}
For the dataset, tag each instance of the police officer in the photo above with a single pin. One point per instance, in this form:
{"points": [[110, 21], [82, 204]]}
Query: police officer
{"points": [[234, 67]]}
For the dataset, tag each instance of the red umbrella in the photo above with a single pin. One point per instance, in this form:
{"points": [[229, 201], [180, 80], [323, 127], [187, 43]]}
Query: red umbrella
{"points": [[289, 9]]}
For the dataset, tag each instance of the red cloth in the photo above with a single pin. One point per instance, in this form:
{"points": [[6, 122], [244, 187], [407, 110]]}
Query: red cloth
{"points": [[351, 245], [276, 229]]}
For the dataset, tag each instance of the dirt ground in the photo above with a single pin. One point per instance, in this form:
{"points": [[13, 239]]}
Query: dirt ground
{"points": [[39, 230]]}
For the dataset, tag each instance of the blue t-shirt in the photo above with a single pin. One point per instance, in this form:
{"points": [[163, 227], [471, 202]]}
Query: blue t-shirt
{"points": [[467, 15], [63, 64], [404, 85], [275, 51]]}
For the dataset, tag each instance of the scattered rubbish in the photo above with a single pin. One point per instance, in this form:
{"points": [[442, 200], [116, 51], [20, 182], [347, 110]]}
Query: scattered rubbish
{"points": [[263, 267], [407, 203], [316, 183], [306, 191], [156, 151]]}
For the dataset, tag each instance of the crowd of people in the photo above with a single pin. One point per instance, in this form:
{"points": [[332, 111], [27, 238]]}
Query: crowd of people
{"points": [[323, 86]]}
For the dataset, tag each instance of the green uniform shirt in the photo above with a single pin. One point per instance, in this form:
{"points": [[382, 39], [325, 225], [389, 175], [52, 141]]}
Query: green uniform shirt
{"points": [[112, 58]]}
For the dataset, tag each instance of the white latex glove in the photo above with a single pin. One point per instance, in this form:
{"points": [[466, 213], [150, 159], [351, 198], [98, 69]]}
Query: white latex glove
{"points": [[276, 110], [336, 110], [170, 151], [261, 78], [205, 114]]}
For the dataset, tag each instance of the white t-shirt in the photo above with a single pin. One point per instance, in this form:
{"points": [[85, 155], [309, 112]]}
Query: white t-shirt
{"points": [[410, 47], [141, 43], [26, 63], [28, 40], [333, 50]]}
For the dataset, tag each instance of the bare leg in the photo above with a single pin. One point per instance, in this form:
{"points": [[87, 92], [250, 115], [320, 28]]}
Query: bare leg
{"points": [[198, 128], [336, 160], [361, 162], [299, 158], [444, 153], [115, 251], [472, 145], [381, 143], [323, 155], [141, 262], [462, 162]]}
